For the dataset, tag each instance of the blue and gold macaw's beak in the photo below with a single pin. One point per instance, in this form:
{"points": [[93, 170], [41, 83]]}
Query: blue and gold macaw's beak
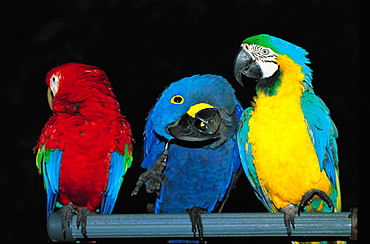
{"points": [[245, 64], [200, 123]]}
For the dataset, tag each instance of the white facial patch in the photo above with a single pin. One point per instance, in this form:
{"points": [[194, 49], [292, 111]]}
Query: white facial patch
{"points": [[54, 84], [268, 69], [265, 57]]}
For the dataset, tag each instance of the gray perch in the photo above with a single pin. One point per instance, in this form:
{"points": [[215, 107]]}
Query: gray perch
{"points": [[215, 225]]}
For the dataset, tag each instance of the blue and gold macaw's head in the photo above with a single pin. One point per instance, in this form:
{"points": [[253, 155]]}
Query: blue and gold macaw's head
{"points": [[259, 58], [196, 109]]}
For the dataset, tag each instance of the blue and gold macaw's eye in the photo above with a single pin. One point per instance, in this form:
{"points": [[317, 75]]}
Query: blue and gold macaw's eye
{"points": [[177, 99], [265, 51]]}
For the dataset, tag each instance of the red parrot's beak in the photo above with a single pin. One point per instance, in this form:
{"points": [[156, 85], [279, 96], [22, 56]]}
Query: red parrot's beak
{"points": [[50, 98]]}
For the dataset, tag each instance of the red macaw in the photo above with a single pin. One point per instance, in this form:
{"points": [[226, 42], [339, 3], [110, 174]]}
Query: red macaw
{"points": [[86, 146]]}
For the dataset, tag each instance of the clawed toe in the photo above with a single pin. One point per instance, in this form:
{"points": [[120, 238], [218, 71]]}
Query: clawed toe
{"points": [[290, 210], [310, 194], [196, 221], [289, 214], [153, 175], [68, 211], [82, 220]]}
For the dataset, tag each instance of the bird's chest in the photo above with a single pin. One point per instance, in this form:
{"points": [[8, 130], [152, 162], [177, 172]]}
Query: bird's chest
{"points": [[199, 165], [284, 156], [195, 178], [278, 125]]}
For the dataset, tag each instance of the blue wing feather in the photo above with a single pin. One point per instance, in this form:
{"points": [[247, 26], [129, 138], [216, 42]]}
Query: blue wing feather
{"points": [[117, 169], [239, 113], [153, 146], [322, 132], [50, 167]]}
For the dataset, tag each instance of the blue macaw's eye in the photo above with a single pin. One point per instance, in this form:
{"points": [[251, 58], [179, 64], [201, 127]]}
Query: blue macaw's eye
{"points": [[177, 99]]}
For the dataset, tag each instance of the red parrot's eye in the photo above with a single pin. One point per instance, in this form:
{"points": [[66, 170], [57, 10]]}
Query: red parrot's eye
{"points": [[54, 84]]}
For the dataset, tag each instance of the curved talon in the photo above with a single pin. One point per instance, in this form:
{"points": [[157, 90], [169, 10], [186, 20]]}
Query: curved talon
{"points": [[196, 221], [67, 212], [82, 220], [289, 214], [310, 194]]}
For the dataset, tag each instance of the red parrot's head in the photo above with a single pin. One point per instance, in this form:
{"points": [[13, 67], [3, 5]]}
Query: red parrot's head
{"points": [[70, 78]]}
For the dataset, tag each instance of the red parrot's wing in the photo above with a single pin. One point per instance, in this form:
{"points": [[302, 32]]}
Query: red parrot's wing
{"points": [[120, 161], [48, 158]]}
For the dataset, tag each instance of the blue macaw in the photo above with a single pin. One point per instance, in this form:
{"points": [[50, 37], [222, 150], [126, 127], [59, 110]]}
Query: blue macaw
{"points": [[287, 140], [195, 120]]}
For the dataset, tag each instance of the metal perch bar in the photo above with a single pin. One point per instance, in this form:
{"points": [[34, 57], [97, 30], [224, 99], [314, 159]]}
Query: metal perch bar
{"points": [[215, 225]]}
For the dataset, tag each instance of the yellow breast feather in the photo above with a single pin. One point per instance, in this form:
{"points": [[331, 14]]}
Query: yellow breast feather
{"points": [[284, 156]]}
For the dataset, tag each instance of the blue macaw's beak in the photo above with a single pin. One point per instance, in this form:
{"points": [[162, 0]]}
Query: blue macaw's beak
{"points": [[193, 126], [246, 65]]}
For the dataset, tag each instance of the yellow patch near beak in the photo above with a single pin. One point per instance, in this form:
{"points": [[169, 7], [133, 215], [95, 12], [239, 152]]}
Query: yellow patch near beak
{"points": [[197, 107]]}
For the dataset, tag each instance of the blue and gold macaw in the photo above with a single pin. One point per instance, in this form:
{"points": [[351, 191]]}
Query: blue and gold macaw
{"points": [[287, 139], [190, 147]]}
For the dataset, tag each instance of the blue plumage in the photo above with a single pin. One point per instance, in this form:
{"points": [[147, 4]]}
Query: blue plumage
{"points": [[199, 173], [196, 177], [117, 170], [51, 177]]}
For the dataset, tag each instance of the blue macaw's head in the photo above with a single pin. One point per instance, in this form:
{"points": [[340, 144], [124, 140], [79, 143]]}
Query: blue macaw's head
{"points": [[257, 58], [197, 108]]}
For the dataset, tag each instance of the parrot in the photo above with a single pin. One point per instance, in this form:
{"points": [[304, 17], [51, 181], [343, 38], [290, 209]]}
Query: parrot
{"points": [[85, 148], [287, 140], [194, 122]]}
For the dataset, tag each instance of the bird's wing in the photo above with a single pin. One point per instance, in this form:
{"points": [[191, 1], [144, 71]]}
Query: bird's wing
{"points": [[153, 146], [48, 164], [245, 152], [323, 133], [49, 151], [119, 162], [237, 170]]}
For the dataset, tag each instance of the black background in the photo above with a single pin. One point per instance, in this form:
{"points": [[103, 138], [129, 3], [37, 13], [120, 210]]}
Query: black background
{"points": [[143, 46]]}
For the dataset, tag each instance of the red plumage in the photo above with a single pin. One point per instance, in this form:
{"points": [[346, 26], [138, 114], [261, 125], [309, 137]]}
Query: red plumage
{"points": [[87, 126]]}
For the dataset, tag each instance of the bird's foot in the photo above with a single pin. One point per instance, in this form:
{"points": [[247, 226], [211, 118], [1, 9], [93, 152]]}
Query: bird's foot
{"points": [[308, 197], [196, 221], [67, 212], [154, 174], [289, 214], [82, 219]]}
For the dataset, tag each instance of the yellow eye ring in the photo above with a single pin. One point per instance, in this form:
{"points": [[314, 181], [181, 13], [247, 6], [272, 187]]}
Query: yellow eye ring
{"points": [[177, 99]]}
